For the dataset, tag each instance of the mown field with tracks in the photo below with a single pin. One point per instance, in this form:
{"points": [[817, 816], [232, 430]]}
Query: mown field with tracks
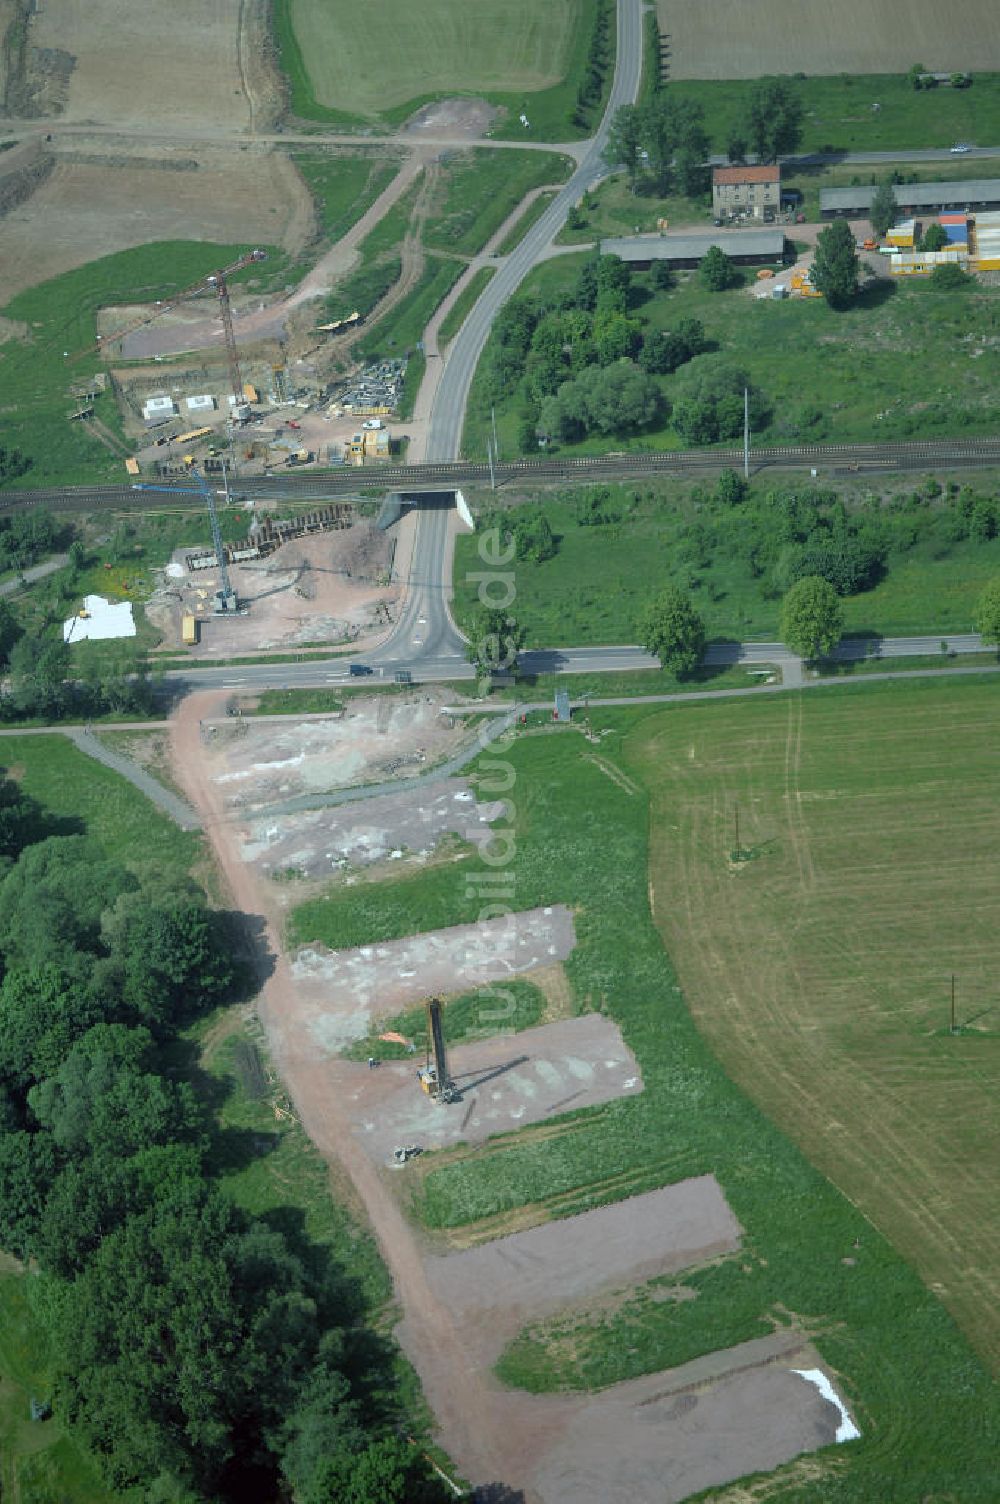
{"points": [[820, 970]]}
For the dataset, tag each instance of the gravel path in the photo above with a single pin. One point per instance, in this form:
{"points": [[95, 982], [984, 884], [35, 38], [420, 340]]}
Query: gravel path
{"points": [[182, 813]]}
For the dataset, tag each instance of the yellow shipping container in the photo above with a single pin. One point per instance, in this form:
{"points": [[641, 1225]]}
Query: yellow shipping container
{"points": [[189, 631]]}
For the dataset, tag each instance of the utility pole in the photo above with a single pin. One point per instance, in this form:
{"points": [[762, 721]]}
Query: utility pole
{"points": [[736, 816], [953, 1002], [746, 433], [496, 446], [489, 456]]}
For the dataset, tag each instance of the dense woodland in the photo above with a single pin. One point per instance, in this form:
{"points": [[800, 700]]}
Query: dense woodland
{"points": [[203, 1354]]}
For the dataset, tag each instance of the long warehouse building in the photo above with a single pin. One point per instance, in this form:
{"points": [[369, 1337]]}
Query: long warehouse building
{"points": [[913, 198]]}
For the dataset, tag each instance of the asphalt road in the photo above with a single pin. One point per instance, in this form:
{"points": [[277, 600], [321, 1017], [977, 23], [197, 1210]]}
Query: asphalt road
{"points": [[441, 656], [445, 428]]}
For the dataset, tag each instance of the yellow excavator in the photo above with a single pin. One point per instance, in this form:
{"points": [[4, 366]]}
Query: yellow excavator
{"points": [[434, 1078]]}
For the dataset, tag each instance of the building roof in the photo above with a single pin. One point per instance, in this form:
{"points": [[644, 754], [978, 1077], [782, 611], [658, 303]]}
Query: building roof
{"points": [[916, 195], [723, 175], [765, 243]]}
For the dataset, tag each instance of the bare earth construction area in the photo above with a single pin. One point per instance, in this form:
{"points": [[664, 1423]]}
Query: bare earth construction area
{"points": [[746, 38]]}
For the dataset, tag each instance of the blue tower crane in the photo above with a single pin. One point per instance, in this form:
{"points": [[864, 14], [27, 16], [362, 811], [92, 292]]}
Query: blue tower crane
{"points": [[225, 596]]}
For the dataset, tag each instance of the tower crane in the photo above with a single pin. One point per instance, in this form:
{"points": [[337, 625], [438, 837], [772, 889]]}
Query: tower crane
{"points": [[217, 282], [225, 596]]}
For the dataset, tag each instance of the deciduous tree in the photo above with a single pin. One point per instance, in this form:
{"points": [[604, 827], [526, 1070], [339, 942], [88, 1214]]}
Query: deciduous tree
{"points": [[716, 270], [835, 264], [673, 630], [987, 614], [812, 618], [884, 208], [773, 121]]}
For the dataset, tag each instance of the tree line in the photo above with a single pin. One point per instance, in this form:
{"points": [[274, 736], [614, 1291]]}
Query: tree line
{"points": [[664, 147], [201, 1353]]}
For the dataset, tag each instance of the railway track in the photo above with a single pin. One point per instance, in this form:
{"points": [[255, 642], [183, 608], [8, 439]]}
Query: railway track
{"points": [[829, 458]]}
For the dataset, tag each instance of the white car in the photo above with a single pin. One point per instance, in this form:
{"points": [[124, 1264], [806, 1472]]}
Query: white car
{"points": [[961, 147]]}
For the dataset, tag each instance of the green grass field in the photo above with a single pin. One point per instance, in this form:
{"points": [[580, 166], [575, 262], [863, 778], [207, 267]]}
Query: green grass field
{"points": [[823, 373], [480, 189], [600, 580], [343, 187], [523, 224], [520, 58], [86, 797], [839, 115], [402, 329], [924, 1403], [38, 1461], [820, 973]]}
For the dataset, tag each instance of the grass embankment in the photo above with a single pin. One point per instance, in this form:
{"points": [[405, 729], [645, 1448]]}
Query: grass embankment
{"points": [[531, 215], [37, 372], [343, 186], [520, 60], [474, 193], [464, 303], [481, 188], [922, 1400], [822, 372], [601, 579], [838, 114]]}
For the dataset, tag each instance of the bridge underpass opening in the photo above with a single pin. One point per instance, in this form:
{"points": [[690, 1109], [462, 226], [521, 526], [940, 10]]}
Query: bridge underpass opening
{"points": [[398, 503]]}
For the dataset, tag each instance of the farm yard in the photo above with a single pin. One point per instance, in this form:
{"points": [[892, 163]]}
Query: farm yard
{"points": [[747, 38]]}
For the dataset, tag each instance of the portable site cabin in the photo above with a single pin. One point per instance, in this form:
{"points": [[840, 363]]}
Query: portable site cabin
{"points": [[922, 263], [903, 234], [956, 227], [987, 242]]}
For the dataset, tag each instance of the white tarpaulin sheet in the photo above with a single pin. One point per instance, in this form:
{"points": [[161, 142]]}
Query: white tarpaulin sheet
{"points": [[103, 619]]}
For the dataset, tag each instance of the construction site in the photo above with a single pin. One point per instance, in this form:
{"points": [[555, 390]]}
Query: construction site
{"points": [[321, 578]]}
